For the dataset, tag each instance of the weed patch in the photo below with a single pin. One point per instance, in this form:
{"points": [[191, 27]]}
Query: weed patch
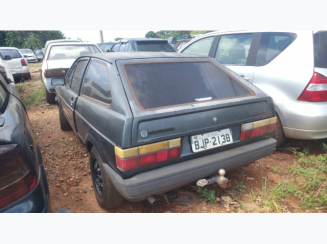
{"points": [[34, 97], [208, 195]]}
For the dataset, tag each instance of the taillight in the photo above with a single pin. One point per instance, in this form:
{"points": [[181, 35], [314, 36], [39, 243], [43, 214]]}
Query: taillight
{"points": [[23, 61], [131, 158], [16, 177], [257, 128], [52, 73], [316, 90]]}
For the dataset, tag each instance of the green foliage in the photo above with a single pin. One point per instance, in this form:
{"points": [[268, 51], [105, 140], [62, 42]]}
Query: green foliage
{"points": [[151, 34], [118, 38], [275, 170], [28, 39], [197, 32], [20, 87], [208, 195], [239, 185], [34, 97]]}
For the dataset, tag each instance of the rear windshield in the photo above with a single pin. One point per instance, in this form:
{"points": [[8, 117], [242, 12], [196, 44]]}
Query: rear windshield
{"points": [[12, 52], [320, 49], [26, 51], [71, 51], [106, 46], [153, 46], [157, 85]]}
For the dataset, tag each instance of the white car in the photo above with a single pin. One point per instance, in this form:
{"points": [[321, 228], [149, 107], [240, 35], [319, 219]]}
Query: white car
{"points": [[29, 55], [7, 72], [16, 62], [290, 66], [58, 59]]}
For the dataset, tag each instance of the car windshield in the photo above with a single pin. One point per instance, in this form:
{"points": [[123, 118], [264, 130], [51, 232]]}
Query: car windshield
{"points": [[105, 46], [11, 52], [26, 51], [71, 51], [163, 84], [153, 46]]}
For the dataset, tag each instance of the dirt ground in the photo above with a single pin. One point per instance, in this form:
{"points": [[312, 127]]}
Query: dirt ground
{"points": [[66, 163]]}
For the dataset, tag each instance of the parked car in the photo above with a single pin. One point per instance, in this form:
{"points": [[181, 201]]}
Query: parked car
{"points": [[106, 46], [182, 43], [29, 55], [58, 41], [153, 122], [142, 45], [16, 62], [40, 56], [23, 182], [290, 66], [58, 59], [6, 71]]}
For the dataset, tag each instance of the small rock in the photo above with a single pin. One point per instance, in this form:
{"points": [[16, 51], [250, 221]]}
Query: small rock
{"points": [[85, 174], [250, 178], [48, 104], [274, 177], [65, 194], [61, 179], [217, 199], [63, 210], [267, 167], [240, 210], [71, 139], [58, 185]]}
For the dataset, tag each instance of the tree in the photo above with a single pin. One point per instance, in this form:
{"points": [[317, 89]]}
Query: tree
{"points": [[118, 38], [151, 34]]}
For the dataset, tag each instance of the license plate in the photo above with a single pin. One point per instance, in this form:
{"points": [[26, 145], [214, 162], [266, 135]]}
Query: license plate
{"points": [[211, 140]]}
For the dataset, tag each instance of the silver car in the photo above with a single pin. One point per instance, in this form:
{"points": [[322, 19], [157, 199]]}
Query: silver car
{"points": [[16, 62], [290, 66], [29, 55]]}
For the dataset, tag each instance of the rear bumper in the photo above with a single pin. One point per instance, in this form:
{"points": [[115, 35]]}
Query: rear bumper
{"points": [[37, 201], [25, 76], [47, 82], [305, 120], [161, 180]]}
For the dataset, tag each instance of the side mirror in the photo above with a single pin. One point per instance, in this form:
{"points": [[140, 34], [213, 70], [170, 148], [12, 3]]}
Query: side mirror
{"points": [[58, 81], [8, 57]]}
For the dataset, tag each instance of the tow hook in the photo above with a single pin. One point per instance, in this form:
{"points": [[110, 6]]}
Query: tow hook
{"points": [[220, 179]]}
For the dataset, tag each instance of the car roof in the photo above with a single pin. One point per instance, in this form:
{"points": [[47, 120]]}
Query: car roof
{"points": [[114, 56], [142, 39], [9, 48], [70, 44]]}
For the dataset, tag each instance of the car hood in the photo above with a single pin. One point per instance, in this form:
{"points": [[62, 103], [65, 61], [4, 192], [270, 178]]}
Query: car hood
{"points": [[63, 63]]}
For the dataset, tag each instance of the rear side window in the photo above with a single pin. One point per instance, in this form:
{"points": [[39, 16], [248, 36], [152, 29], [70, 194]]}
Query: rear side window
{"points": [[78, 75], [96, 83], [153, 46], [320, 49], [271, 45], [156, 85], [200, 47], [12, 52], [234, 49]]}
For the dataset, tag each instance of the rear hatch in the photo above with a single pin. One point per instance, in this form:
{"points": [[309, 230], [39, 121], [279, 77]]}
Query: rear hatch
{"points": [[15, 63], [194, 100]]}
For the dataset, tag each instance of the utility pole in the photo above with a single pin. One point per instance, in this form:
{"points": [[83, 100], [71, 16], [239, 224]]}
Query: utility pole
{"points": [[101, 36]]}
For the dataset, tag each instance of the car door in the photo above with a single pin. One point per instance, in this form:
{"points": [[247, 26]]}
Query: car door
{"points": [[72, 89], [238, 52]]}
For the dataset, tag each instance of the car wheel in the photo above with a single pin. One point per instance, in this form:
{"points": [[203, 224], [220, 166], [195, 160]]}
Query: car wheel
{"points": [[64, 125], [104, 190], [279, 133], [50, 97]]}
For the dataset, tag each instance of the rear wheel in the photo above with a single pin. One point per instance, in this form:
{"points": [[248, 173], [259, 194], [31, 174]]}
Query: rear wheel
{"points": [[50, 97], [64, 125], [105, 192], [279, 133]]}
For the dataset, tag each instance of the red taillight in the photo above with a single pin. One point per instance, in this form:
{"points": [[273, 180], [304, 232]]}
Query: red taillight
{"points": [[16, 177], [127, 159], [53, 73], [316, 90], [23, 61], [257, 128]]}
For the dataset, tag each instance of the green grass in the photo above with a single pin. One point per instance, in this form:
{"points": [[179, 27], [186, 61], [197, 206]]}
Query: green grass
{"points": [[34, 97], [208, 195], [34, 65], [275, 170], [239, 185], [20, 87]]}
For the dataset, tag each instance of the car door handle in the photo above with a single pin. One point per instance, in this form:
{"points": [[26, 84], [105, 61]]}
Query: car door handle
{"points": [[72, 102], [245, 78]]}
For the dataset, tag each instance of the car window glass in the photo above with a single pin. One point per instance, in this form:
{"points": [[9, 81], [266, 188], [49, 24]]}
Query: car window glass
{"points": [[200, 47], [78, 75], [271, 45], [12, 52], [153, 46], [122, 47], [233, 49], [71, 51], [96, 83], [3, 93], [156, 85], [320, 49], [70, 77], [116, 47]]}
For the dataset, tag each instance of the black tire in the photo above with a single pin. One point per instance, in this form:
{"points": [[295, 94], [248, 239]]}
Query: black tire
{"points": [[279, 133], [64, 125], [107, 195], [50, 97]]}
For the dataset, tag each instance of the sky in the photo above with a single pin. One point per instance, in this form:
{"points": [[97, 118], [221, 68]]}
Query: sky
{"points": [[108, 35]]}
